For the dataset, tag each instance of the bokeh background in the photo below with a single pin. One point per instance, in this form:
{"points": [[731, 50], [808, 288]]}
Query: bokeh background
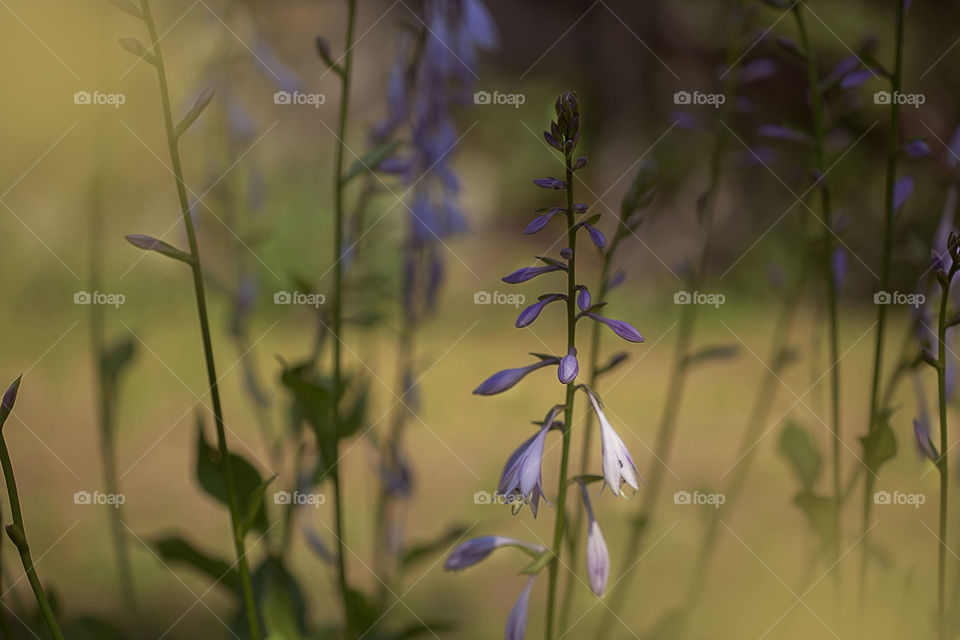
{"points": [[74, 179]]}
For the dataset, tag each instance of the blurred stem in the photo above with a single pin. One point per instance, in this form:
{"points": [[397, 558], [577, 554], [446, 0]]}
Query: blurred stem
{"points": [[339, 215], [942, 465], [561, 519], [198, 286], [18, 534], [893, 153], [813, 80], [686, 324]]}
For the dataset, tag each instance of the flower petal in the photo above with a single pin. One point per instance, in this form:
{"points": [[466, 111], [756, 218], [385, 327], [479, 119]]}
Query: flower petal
{"points": [[623, 329], [517, 620]]}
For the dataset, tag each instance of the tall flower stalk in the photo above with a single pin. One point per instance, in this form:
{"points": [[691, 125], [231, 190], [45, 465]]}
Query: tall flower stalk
{"points": [[521, 481], [17, 531], [154, 56], [831, 278], [889, 214]]}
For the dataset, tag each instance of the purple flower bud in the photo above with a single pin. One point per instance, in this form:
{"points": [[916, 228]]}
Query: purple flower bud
{"points": [[623, 329], [583, 297], [550, 183], [596, 236], [917, 148], [580, 208], [580, 162], [857, 78], [517, 621], [901, 192], [503, 380], [838, 264], [598, 558], [758, 69], [476, 550], [839, 71], [528, 315], [538, 223], [566, 253], [528, 273], [618, 279], [10, 398], [921, 429], [552, 141], [569, 367]]}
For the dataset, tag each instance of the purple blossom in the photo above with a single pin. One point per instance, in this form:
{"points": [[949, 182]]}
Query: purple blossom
{"points": [[901, 192], [521, 476], [598, 558], [856, 78], [476, 550], [503, 380], [10, 397], [550, 183], [583, 297], [618, 466], [528, 315], [623, 329], [917, 148], [755, 70], [528, 273], [569, 367], [517, 620], [596, 236]]}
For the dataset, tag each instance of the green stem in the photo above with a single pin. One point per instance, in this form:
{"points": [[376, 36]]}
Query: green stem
{"points": [[337, 319], [893, 153], [561, 518], [813, 79], [18, 534], [942, 465], [198, 287]]}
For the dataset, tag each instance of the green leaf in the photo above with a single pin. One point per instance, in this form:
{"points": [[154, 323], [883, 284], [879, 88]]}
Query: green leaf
{"points": [[641, 193], [821, 515], [255, 505], [801, 453], [539, 563], [209, 471], [880, 445], [427, 549], [174, 549], [149, 243], [279, 609], [371, 160]]}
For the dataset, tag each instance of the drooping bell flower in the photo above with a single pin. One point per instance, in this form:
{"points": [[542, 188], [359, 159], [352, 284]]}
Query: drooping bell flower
{"points": [[522, 478], [618, 466], [598, 558]]}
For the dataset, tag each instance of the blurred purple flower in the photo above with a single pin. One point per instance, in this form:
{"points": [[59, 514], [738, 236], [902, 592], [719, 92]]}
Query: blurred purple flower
{"points": [[473, 551], [921, 429], [901, 192], [838, 264], [917, 148], [550, 183]]}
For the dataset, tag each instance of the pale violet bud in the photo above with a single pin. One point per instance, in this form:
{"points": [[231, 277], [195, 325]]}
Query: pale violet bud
{"points": [[476, 550], [598, 558], [569, 367], [517, 621]]}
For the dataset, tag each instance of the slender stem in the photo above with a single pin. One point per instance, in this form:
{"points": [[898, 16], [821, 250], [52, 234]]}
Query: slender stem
{"points": [[942, 465], [813, 79], [19, 537], [561, 519], [893, 153], [337, 319], [198, 286]]}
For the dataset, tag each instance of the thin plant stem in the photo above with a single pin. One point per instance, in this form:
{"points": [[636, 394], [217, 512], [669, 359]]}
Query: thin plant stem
{"points": [[893, 153], [942, 465], [337, 320], [17, 531], [679, 368], [813, 80], [198, 286], [561, 519]]}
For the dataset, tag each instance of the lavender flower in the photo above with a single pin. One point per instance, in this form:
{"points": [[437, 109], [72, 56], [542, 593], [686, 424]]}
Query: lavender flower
{"points": [[618, 466], [598, 558], [528, 315], [528, 273], [583, 297], [623, 329], [569, 367], [476, 550], [521, 477], [517, 621], [503, 380], [901, 192]]}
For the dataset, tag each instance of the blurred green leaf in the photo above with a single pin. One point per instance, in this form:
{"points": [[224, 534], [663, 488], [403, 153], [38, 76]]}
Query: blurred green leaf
{"points": [[541, 561], [641, 193], [209, 472], [255, 506], [880, 445], [279, 608], [802, 454], [174, 549], [115, 357], [821, 515]]}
